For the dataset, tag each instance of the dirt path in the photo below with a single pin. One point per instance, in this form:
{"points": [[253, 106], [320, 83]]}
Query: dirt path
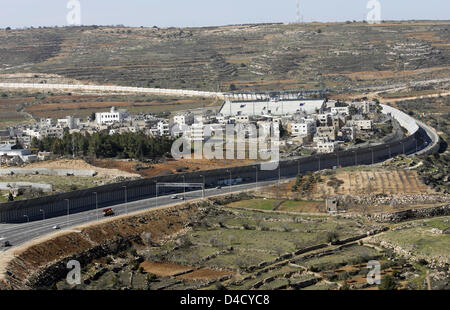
{"points": [[394, 100]]}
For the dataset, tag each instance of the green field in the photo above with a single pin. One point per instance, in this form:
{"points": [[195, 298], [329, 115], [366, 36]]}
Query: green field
{"points": [[258, 204], [420, 240]]}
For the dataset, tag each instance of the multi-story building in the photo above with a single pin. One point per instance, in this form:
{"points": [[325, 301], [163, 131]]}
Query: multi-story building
{"points": [[340, 110], [302, 129], [328, 132], [347, 133], [325, 119], [325, 146], [68, 122], [163, 128], [364, 107], [242, 119], [197, 132], [114, 116], [185, 119], [361, 124]]}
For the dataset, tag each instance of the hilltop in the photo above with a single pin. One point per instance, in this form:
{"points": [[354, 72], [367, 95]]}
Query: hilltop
{"points": [[241, 57]]}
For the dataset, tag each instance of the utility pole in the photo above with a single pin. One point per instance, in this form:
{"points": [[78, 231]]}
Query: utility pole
{"points": [[279, 179], [73, 147], [68, 211], [157, 189], [184, 186], [203, 188], [230, 179], [126, 199], [256, 171], [96, 204]]}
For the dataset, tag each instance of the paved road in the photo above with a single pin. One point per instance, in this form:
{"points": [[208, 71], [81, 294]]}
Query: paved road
{"points": [[17, 234]]}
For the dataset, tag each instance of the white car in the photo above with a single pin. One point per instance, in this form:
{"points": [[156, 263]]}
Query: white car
{"points": [[174, 197], [56, 227]]}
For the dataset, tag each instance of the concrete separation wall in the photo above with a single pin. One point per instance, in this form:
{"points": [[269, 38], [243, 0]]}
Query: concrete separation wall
{"points": [[404, 119], [433, 146], [136, 90], [120, 89]]}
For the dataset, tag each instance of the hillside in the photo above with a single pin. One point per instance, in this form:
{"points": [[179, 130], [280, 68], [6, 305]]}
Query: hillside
{"points": [[265, 56]]}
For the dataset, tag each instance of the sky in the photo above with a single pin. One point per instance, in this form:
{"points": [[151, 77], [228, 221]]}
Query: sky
{"points": [[194, 13]]}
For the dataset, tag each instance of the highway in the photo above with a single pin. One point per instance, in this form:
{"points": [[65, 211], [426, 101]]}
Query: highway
{"points": [[18, 234]]}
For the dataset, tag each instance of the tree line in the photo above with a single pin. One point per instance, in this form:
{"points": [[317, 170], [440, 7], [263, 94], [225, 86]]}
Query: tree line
{"points": [[102, 145]]}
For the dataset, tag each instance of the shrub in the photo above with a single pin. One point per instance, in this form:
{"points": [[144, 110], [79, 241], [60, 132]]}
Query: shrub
{"points": [[332, 236], [345, 287], [151, 277], [388, 283]]}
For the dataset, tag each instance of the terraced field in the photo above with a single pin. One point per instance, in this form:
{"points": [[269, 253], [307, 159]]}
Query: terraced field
{"points": [[374, 182], [266, 56]]}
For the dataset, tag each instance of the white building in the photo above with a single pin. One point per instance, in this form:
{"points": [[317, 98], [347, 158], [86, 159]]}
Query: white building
{"points": [[184, 119], [325, 146], [114, 116], [340, 110], [7, 150], [68, 122], [303, 128], [53, 132], [365, 106], [361, 124], [197, 132], [324, 119], [47, 122], [242, 119], [33, 133], [163, 128]]}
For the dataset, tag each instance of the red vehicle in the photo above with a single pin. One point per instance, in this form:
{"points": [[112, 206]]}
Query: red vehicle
{"points": [[108, 212]]}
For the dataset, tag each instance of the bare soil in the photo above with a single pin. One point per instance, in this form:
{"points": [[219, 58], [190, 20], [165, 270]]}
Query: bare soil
{"points": [[164, 270], [78, 164]]}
